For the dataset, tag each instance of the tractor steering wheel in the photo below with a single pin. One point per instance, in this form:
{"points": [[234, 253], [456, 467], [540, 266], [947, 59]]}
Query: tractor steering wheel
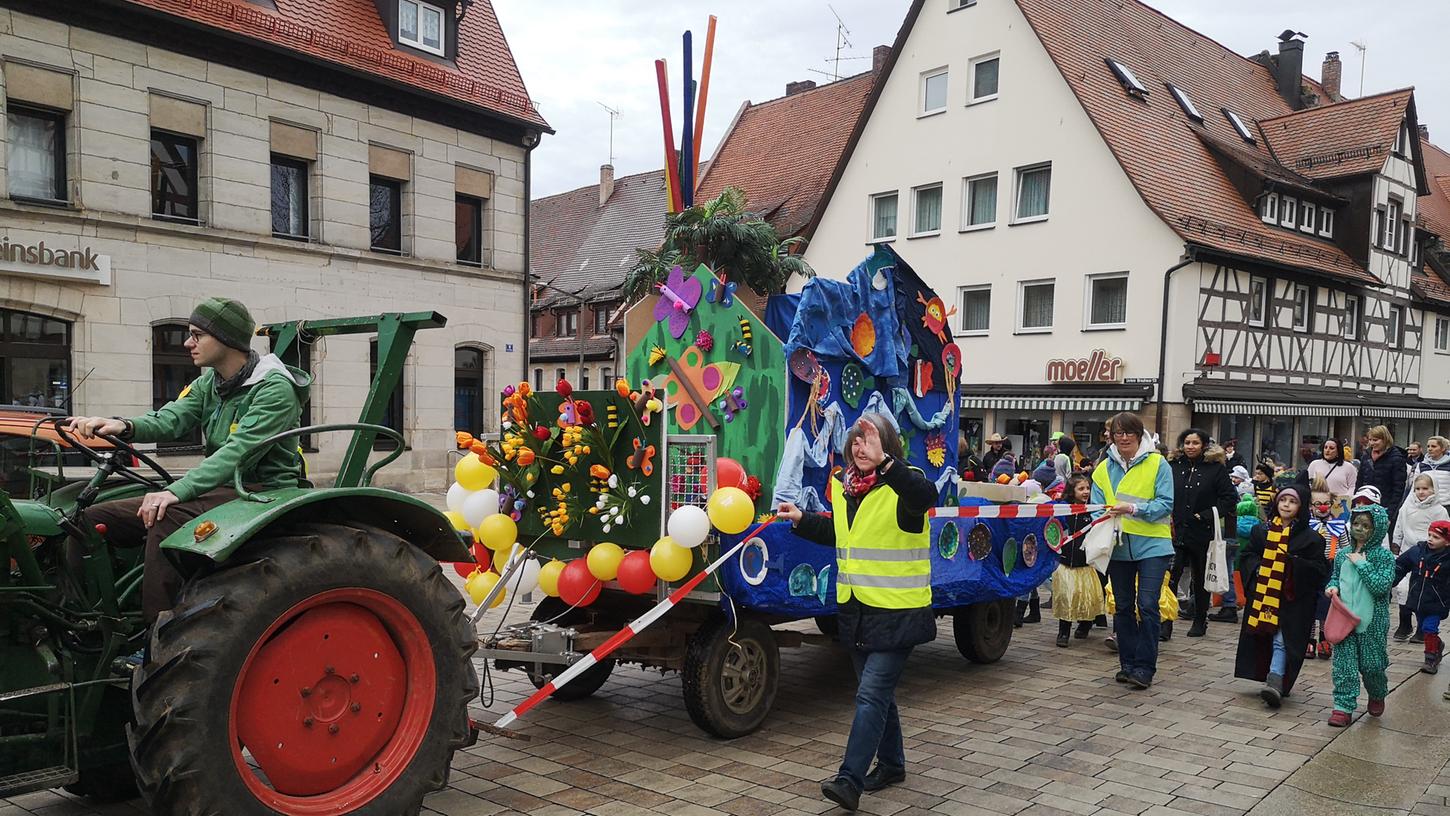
{"points": [[111, 461]]}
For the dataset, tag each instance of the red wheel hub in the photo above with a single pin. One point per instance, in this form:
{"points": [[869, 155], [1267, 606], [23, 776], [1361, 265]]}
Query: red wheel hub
{"points": [[333, 702]]}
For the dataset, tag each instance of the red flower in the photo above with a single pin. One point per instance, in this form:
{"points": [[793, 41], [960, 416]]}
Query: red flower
{"points": [[564, 388], [541, 433], [585, 412], [752, 488]]}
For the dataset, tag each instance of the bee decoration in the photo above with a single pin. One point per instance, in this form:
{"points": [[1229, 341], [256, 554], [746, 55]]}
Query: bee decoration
{"points": [[745, 345]]}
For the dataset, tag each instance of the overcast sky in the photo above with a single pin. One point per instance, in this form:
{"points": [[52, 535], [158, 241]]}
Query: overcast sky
{"points": [[577, 54]]}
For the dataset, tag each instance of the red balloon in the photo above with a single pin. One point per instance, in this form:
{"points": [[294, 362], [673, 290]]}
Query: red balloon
{"points": [[635, 574], [464, 568], [577, 586], [729, 473], [482, 554]]}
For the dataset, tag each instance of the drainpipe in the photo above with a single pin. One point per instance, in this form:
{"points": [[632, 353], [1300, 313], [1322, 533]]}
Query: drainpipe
{"points": [[531, 141], [1189, 257]]}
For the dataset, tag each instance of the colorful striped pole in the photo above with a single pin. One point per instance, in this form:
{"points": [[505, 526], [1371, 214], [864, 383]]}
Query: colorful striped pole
{"points": [[1014, 511], [704, 95], [672, 164], [623, 635], [687, 126]]}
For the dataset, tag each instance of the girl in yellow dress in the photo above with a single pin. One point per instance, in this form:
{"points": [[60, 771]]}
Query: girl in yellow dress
{"points": [[1077, 587]]}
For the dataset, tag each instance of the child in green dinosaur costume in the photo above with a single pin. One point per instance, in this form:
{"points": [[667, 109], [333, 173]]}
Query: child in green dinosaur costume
{"points": [[1363, 576]]}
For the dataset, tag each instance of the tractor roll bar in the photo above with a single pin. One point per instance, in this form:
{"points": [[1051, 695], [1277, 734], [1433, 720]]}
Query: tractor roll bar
{"points": [[367, 475]]}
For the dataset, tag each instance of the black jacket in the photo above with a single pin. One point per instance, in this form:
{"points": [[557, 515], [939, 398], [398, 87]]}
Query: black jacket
{"points": [[1429, 572], [1388, 474], [1199, 485], [1072, 554], [870, 628], [989, 460]]}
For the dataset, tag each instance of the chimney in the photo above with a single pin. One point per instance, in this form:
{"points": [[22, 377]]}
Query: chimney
{"points": [[878, 57], [1289, 70], [1329, 75], [793, 88], [1424, 134], [606, 183]]}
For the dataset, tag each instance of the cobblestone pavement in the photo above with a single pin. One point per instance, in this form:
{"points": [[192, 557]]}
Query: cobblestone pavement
{"points": [[1044, 731]]}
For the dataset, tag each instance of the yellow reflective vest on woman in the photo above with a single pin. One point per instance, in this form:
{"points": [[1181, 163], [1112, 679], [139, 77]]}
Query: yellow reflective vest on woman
{"points": [[877, 562]]}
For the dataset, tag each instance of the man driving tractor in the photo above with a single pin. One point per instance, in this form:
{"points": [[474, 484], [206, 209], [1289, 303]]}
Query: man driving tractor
{"points": [[240, 399]]}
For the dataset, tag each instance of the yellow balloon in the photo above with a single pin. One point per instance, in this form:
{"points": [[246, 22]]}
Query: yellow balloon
{"points": [[730, 510], [457, 520], [498, 532], [670, 561], [603, 560], [549, 577], [479, 584], [472, 473]]}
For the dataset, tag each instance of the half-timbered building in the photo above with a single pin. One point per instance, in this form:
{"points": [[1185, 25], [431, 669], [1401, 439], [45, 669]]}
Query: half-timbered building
{"points": [[1134, 217]]}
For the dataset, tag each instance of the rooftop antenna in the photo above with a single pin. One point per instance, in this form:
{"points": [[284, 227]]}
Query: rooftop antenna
{"points": [[1362, 48], [613, 114], [842, 33]]}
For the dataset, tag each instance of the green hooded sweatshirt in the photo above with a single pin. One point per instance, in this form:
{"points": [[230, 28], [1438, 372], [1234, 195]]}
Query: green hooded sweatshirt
{"points": [[269, 402]]}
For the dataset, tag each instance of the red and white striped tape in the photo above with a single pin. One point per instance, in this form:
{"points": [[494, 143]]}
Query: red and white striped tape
{"points": [[1014, 511], [623, 635]]}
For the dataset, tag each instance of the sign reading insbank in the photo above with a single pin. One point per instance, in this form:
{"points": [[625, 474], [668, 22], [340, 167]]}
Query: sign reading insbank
{"points": [[39, 260]]}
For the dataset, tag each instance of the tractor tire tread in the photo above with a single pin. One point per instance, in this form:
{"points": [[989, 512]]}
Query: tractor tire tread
{"points": [[700, 683]]}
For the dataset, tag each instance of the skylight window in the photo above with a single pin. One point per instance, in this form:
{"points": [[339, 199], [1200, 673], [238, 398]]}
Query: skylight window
{"points": [[1239, 126], [1125, 76], [1185, 102]]}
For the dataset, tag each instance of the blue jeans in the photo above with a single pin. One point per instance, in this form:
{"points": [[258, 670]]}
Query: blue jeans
{"points": [[1276, 662], [876, 730], [1138, 634]]}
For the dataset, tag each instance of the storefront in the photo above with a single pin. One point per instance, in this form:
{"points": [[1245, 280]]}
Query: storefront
{"points": [[1028, 415]]}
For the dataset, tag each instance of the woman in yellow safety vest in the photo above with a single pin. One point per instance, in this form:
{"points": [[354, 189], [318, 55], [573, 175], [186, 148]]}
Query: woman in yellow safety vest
{"points": [[878, 525], [1136, 484]]}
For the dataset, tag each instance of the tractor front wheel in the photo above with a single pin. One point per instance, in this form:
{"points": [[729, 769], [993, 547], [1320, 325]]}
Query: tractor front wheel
{"points": [[325, 670]]}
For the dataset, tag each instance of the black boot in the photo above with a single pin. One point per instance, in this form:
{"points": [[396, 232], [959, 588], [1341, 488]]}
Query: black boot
{"points": [[1101, 621], [1064, 629], [1402, 633], [1227, 614], [1199, 627], [1165, 632], [1082, 630], [1021, 612], [1034, 610]]}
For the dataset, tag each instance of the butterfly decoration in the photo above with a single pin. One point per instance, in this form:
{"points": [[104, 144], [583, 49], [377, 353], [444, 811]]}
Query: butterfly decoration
{"points": [[679, 295], [693, 386], [733, 403], [642, 459], [568, 414], [722, 292]]}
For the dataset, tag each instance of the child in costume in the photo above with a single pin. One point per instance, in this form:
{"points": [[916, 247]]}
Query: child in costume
{"points": [[1428, 566], [1324, 519], [1246, 515], [1284, 572], [1417, 511], [1263, 481], [1077, 587], [1362, 580], [1240, 478]]}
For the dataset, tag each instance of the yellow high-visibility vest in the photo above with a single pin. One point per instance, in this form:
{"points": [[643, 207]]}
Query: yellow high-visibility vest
{"points": [[1137, 486], [877, 562]]}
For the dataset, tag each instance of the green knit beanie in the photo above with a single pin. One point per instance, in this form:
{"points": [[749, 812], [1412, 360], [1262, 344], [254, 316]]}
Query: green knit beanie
{"points": [[226, 320]]}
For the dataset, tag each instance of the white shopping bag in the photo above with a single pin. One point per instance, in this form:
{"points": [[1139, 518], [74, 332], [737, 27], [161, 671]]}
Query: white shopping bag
{"points": [[1098, 542], [1218, 579]]}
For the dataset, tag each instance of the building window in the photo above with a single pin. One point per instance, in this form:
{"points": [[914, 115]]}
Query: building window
{"points": [[1442, 334], [976, 309], [35, 360], [1035, 314], [584, 378], [1239, 127], [606, 378], [172, 371], [601, 318], [1392, 223], [883, 217], [1107, 301], [173, 176], [566, 323], [421, 26], [934, 91], [393, 411], [1185, 102], [1379, 226], [1288, 212], [1033, 192], [536, 324], [1303, 308], [468, 229], [1258, 308], [1326, 222], [1352, 317], [1407, 234], [35, 157], [927, 210], [1308, 217], [538, 379], [980, 202], [1129, 80], [1270, 210], [289, 198], [470, 385], [559, 374], [385, 214], [984, 76], [1396, 331]]}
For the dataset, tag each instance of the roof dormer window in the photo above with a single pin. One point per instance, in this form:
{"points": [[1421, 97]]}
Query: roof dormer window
{"points": [[1239, 126], [421, 26], [1129, 80], [1185, 102]]}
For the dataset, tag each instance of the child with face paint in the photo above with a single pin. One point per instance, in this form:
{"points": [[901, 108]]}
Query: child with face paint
{"points": [[1362, 578], [1326, 519]]}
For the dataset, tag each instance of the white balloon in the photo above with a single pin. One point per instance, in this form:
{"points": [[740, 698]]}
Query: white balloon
{"points": [[526, 580], [479, 505], [456, 495], [689, 526]]}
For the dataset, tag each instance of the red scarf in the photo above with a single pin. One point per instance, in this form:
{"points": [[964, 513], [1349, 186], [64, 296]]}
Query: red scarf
{"points": [[858, 484]]}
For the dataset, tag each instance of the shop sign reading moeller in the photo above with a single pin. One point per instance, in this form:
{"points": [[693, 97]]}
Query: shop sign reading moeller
{"points": [[39, 260], [1097, 367]]}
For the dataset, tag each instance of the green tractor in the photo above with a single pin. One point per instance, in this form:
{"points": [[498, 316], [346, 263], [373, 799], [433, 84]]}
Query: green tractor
{"points": [[317, 662]]}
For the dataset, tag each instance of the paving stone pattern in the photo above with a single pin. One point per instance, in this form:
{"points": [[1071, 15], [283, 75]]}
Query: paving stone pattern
{"points": [[1045, 731]]}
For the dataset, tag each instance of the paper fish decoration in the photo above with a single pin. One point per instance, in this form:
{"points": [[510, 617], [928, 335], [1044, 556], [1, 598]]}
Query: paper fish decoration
{"points": [[679, 295], [921, 378], [853, 384], [863, 336]]}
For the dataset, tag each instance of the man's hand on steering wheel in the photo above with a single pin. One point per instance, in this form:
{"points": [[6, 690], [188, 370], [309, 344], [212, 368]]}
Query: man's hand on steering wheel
{"points": [[154, 505], [91, 427]]}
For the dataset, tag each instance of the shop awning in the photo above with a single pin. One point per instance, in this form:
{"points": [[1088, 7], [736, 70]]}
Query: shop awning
{"points": [[1263, 399], [1274, 408], [1050, 404], [1102, 398]]}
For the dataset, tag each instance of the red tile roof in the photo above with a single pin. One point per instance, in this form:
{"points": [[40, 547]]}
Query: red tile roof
{"points": [[1171, 167], [1434, 209], [782, 152], [1346, 139], [577, 246], [350, 33]]}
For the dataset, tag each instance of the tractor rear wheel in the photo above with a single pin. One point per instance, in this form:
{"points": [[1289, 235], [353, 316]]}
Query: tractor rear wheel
{"points": [[730, 676], [984, 630], [324, 669], [553, 609]]}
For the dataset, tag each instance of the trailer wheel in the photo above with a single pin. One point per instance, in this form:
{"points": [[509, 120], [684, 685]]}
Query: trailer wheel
{"points": [[730, 687], [322, 670], [983, 630], [553, 609]]}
